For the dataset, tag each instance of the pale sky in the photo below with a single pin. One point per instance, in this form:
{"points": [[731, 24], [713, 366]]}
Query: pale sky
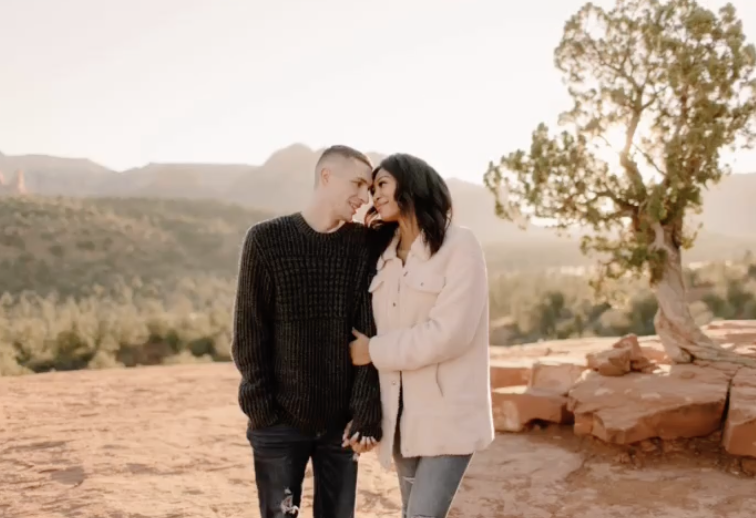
{"points": [[128, 82]]}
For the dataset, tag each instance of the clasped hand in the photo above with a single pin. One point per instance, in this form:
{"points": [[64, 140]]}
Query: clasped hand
{"points": [[359, 350], [357, 443]]}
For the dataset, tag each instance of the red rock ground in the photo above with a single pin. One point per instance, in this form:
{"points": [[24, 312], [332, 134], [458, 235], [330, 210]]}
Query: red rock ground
{"points": [[169, 442]]}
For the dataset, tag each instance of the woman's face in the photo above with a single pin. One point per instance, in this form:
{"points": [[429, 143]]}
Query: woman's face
{"points": [[384, 200]]}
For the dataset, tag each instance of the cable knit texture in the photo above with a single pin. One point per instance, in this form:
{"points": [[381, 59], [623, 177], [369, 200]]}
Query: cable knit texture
{"points": [[300, 293]]}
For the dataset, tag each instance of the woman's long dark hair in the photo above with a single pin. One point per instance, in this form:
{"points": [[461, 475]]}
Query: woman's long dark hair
{"points": [[421, 191]]}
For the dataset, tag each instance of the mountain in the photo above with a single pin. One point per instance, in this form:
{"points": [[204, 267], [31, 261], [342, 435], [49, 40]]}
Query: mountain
{"points": [[190, 181], [284, 181], [50, 175]]}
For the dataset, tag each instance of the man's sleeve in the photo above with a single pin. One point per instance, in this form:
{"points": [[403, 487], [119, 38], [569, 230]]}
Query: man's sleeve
{"points": [[366, 391], [252, 347]]}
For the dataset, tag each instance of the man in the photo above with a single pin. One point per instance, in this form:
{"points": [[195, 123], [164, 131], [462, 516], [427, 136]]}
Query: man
{"points": [[302, 288]]}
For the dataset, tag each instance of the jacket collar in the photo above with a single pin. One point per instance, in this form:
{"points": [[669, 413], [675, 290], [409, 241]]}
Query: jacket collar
{"points": [[419, 249]]}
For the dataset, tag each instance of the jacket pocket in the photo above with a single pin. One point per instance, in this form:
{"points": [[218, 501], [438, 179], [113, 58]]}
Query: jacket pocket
{"points": [[423, 392], [425, 281]]}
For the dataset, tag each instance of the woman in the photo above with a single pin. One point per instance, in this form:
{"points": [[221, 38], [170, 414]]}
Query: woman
{"points": [[430, 301]]}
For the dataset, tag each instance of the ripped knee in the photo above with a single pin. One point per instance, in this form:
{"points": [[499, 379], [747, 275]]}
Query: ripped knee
{"points": [[287, 504]]}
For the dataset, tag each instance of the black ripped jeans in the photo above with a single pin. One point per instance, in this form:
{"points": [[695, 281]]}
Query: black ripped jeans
{"points": [[281, 453]]}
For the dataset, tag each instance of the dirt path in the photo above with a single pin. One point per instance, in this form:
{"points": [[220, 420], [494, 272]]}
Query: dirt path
{"points": [[168, 442]]}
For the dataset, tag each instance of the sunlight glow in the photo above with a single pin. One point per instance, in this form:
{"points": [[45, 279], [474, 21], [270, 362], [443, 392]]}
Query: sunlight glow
{"points": [[609, 145]]}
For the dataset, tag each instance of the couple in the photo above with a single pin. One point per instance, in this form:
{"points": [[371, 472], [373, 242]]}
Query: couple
{"points": [[350, 337]]}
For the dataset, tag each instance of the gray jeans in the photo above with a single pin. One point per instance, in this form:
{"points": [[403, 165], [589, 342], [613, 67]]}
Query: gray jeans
{"points": [[428, 484]]}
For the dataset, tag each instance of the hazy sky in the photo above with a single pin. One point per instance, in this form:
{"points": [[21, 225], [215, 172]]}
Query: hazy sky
{"points": [[127, 82]]}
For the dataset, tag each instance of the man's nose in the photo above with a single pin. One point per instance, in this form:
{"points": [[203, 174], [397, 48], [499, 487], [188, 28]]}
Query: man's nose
{"points": [[365, 196]]}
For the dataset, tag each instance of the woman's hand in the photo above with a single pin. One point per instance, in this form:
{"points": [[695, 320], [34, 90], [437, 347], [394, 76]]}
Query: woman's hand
{"points": [[359, 349], [357, 443]]}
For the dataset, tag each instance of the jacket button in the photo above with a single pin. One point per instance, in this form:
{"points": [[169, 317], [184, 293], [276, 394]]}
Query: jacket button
{"points": [[393, 304]]}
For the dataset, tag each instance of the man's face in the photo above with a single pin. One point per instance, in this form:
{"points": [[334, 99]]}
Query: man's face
{"points": [[349, 183]]}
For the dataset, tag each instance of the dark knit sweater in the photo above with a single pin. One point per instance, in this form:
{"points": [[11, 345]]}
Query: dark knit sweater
{"points": [[300, 293]]}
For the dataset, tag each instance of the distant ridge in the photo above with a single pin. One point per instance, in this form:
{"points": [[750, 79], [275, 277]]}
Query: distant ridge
{"points": [[282, 184]]}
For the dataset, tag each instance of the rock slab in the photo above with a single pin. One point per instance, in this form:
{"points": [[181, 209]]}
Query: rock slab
{"points": [[509, 373], [677, 401], [542, 399], [515, 407], [557, 377], [739, 437]]}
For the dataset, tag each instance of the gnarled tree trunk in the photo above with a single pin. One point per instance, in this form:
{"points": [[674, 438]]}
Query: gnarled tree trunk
{"points": [[681, 337]]}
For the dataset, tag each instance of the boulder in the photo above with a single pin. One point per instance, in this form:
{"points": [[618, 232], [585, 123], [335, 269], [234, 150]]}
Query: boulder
{"points": [[515, 407], [675, 402], [554, 376], [625, 356], [509, 373], [541, 396], [739, 436]]}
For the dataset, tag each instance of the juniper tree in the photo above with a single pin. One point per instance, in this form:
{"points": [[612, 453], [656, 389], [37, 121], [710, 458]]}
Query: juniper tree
{"points": [[676, 82]]}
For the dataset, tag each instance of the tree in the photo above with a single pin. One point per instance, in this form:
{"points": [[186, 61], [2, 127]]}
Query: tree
{"points": [[676, 82]]}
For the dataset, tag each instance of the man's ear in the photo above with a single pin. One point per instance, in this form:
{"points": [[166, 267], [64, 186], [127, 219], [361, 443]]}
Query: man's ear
{"points": [[325, 175]]}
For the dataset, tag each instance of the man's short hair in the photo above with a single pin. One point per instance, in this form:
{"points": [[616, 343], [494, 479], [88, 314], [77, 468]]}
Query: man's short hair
{"points": [[345, 152]]}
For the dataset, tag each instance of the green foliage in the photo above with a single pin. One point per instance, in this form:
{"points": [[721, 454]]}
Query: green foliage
{"points": [[100, 283], [67, 245], [148, 323], [148, 290], [659, 89], [528, 307], [127, 325]]}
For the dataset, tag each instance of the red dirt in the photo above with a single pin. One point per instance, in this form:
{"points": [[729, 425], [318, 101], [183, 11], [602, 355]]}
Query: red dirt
{"points": [[169, 442]]}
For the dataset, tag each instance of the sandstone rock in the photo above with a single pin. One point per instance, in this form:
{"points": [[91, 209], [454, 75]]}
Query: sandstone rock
{"points": [[509, 373], [557, 377], [613, 362], [732, 325], [648, 446], [643, 364], [729, 368], [739, 436], [655, 355], [625, 356], [748, 466], [515, 407], [679, 401]]}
